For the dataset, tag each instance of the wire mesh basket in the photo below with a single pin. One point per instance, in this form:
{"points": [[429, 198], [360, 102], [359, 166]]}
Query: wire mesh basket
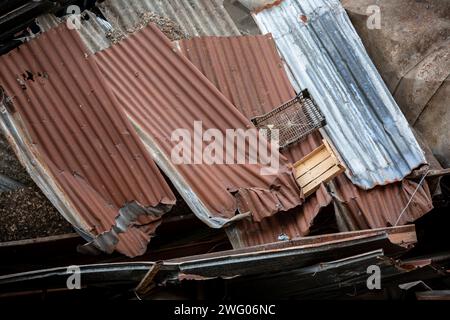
{"points": [[294, 120]]}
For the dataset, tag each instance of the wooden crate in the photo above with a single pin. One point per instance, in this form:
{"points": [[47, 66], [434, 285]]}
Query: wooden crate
{"points": [[318, 167]]}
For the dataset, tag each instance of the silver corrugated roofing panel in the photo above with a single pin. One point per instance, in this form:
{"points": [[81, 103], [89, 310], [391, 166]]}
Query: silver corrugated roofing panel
{"points": [[196, 17], [325, 55], [92, 29]]}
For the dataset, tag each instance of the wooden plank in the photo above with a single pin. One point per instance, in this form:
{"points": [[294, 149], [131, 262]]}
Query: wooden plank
{"points": [[320, 166], [325, 177], [42, 240], [417, 174], [311, 163], [147, 283], [308, 161], [317, 171], [404, 238], [401, 236]]}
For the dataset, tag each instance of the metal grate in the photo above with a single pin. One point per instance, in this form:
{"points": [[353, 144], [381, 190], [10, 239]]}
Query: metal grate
{"points": [[294, 119]]}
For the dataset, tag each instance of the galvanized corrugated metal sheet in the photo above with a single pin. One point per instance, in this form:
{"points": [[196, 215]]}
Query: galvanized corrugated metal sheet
{"points": [[250, 73], [69, 131], [196, 17], [161, 91], [325, 55], [91, 30]]}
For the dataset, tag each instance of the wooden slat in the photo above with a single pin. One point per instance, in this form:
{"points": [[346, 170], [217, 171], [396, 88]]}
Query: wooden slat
{"points": [[325, 177], [317, 171], [317, 155], [319, 166]]}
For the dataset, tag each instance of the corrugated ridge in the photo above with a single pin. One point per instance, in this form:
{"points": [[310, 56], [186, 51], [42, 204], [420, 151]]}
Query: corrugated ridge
{"points": [[162, 91], [196, 17], [72, 124], [325, 55]]}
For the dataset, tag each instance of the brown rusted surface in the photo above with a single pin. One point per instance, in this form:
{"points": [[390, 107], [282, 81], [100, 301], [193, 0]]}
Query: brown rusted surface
{"points": [[250, 73], [78, 145], [382, 206], [161, 91]]}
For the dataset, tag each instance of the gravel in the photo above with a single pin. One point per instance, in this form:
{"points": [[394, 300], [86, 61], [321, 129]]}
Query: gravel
{"points": [[26, 213], [10, 165]]}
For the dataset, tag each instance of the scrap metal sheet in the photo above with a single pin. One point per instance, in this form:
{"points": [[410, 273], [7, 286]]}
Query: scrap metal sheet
{"points": [[91, 30], [161, 91], [325, 55], [69, 131], [196, 17], [249, 72]]}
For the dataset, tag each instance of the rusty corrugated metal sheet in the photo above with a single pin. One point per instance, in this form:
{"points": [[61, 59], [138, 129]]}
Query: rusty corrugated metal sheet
{"points": [[249, 72], [196, 17], [161, 91], [69, 131], [381, 206], [356, 209]]}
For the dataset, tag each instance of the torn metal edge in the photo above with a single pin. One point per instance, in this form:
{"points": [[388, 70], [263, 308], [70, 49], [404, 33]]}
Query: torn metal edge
{"points": [[107, 241]]}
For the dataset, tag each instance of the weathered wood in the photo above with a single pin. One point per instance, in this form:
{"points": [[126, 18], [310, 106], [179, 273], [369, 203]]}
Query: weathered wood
{"points": [[332, 173], [319, 166], [308, 176], [147, 283]]}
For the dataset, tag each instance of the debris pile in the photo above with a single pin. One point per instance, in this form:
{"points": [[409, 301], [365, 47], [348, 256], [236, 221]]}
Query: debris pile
{"points": [[97, 135]]}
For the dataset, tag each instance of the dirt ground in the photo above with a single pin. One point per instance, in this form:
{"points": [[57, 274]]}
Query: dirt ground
{"points": [[26, 213], [10, 166]]}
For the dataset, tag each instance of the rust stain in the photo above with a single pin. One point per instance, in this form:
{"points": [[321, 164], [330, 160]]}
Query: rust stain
{"points": [[268, 6], [304, 18]]}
